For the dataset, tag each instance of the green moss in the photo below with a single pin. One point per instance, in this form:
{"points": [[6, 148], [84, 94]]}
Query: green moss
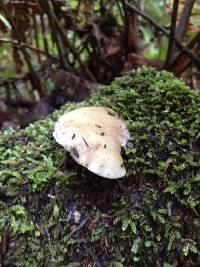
{"points": [[152, 217]]}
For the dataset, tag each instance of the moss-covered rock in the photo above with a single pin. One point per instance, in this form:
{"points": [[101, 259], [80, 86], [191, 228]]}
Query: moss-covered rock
{"points": [[150, 218]]}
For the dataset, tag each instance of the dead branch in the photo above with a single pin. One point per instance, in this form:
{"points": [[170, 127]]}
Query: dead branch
{"points": [[172, 34], [183, 21], [5, 81], [22, 44], [126, 26], [48, 9], [180, 62], [75, 19], [55, 34]]}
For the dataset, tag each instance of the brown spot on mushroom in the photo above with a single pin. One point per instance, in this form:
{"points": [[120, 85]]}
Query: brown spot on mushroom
{"points": [[73, 136], [102, 133], [105, 146], [75, 152], [98, 126], [111, 113], [85, 142], [122, 165]]}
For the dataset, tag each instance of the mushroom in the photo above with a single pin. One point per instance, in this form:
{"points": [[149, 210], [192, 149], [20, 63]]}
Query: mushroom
{"points": [[94, 136]]}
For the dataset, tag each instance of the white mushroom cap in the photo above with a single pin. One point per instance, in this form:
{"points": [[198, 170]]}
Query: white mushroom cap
{"points": [[94, 136]]}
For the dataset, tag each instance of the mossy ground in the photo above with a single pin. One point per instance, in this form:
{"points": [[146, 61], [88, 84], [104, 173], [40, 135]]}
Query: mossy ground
{"points": [[150, 218]]}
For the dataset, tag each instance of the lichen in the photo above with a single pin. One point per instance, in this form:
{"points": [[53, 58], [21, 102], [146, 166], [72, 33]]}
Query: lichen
{"points": [[151, 217]]}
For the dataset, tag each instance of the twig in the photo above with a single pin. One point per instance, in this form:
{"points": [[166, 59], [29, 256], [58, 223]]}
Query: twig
{"points": [[44, 34], [183, 21], [126, 26], [22, 44], [75, 20], [148, 18], [181, 63], [178, 65], [59, 42], [5, 81], [62, 54], [54, 33], [184, 49], [17, 58], [29, 4], [35, 26], [172, 34]]}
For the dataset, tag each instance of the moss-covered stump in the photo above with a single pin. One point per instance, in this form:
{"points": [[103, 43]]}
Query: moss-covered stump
{"points": [[150, 218]]}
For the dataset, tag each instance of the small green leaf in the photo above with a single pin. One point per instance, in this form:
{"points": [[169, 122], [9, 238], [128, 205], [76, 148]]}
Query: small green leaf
{"points": [[133, 227], [125, 224], [55, 211], [37, 233], [117, 264], [167, 265], [135, 246]]}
